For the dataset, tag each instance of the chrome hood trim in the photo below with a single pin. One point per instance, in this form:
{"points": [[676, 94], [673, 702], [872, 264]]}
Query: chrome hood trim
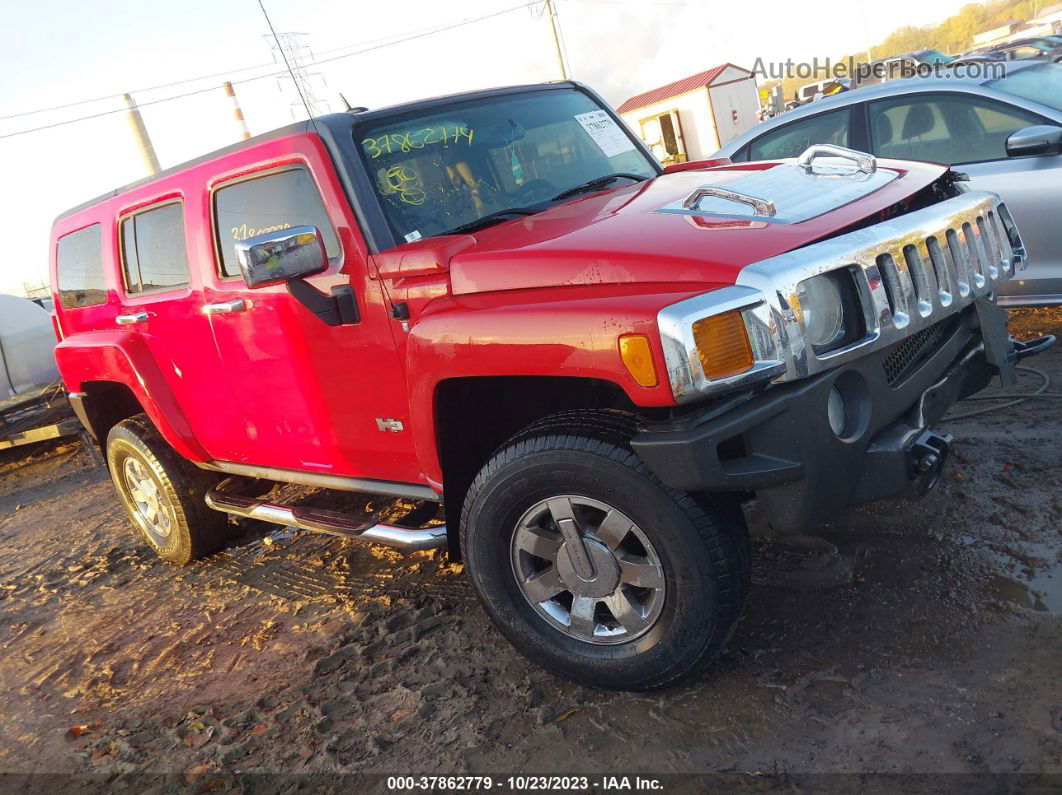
{"points": [[794, 192], [910, 273]]}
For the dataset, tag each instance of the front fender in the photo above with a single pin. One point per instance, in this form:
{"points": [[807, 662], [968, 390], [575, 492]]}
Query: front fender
{"points": [[123, 357], [568, 332]]}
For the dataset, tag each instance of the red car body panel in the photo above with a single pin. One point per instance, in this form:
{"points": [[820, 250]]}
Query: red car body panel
{"points": [[546, 295], [616, 237], [273, 386]]}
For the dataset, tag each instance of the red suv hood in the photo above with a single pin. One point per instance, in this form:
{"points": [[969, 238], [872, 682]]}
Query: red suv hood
{"points": [[616, 237]]}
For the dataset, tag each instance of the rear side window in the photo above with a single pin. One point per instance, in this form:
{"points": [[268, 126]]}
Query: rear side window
{"points": [[792, 139], [154, 256], [80, 264], [268, 204]]}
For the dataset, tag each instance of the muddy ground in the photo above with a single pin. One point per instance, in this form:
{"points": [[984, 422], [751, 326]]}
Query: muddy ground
{"points": [[911, 637]]}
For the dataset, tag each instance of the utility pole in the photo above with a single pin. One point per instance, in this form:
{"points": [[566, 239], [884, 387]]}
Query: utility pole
{"points": [[136, 123], [237, 112], [555, 25]]}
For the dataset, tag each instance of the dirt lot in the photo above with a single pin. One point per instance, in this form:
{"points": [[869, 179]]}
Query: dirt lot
{"points": [[910, 637]]}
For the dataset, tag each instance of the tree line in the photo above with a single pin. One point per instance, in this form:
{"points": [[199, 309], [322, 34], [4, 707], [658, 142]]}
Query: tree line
{"points": [[952, 36]]}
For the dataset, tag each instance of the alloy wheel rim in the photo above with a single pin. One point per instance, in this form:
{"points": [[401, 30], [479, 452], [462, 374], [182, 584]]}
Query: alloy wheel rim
{"points": [[588, 569], [149, 505]]}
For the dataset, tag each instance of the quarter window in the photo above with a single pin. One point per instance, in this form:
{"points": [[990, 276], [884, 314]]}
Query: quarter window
{"points": [[268, 204], [944, 129], [79, 258], [154, 255], [792, 139]]}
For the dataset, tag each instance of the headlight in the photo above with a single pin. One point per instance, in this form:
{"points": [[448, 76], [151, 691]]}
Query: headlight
{"points": [[827, 307]]}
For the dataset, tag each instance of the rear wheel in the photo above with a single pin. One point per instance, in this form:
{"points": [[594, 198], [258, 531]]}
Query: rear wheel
{"points": [[163, 493], [595, 569]]}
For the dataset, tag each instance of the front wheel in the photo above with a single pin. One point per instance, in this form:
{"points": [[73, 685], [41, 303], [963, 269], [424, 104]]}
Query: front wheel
{"points": [[592, 567], [163, 493]]}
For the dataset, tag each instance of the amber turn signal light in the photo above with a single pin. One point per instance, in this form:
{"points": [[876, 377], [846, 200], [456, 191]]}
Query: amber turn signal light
{"points": [[638, 358], [723, 345]]}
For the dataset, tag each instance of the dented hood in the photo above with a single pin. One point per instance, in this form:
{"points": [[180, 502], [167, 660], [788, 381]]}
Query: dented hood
{"points": [[640, 233]]}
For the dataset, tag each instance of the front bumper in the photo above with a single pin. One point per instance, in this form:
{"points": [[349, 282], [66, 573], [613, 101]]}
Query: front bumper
{"points": [[779, 443]]}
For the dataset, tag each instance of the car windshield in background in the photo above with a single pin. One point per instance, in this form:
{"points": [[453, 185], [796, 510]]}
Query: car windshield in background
{"points": [[462, 162], [934, 57], [1041, 83]]}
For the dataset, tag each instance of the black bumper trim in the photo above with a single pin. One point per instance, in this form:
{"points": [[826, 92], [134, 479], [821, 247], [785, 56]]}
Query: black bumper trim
{"points": [[779, 443]]}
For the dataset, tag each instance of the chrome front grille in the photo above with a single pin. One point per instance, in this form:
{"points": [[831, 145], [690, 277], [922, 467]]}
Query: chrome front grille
{"points": [[911, 272], [954, 262]]}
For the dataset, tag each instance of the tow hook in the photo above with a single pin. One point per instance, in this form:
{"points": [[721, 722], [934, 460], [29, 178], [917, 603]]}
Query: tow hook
{"points": [[927, 456], [1023, 349]]}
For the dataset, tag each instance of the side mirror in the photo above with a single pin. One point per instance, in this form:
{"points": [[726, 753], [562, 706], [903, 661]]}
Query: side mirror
{"points": [[281, 256], [1041, 139]]}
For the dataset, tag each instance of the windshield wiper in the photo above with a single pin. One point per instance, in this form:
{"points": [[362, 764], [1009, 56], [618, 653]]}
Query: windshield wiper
{"points": [[596, 183], [491, 218]]}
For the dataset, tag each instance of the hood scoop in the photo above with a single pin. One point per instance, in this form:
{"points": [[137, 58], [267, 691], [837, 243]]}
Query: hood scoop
{"points": [[790, 192]]}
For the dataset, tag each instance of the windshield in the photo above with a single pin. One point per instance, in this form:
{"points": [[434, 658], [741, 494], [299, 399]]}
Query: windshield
{"points": [[935, 57], [1041, 83], [454, 164]]}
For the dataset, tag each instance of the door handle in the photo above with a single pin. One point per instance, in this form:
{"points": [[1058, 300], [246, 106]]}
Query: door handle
{"points": [[226, 307], [127, 320]]}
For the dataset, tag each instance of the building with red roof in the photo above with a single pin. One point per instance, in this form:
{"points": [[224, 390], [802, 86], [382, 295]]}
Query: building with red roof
{"points": [[691, 118]]}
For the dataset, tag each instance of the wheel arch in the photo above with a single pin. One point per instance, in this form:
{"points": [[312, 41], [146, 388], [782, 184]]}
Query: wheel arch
{"points": [[475, 415], [114, 376]]}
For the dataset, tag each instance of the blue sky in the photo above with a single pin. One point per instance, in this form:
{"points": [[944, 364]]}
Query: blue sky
{"points": [[58, 52]]}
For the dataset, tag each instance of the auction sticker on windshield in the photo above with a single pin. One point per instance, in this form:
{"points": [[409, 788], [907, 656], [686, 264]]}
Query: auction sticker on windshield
{"points": [[608, 136]]}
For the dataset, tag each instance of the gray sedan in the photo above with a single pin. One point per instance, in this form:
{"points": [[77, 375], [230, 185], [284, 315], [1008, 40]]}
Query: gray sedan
{"points": [[1005, 132]]}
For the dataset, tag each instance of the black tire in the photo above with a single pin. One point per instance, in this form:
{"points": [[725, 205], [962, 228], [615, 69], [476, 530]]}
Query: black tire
{"points": [[700, 544], [187, 529]]}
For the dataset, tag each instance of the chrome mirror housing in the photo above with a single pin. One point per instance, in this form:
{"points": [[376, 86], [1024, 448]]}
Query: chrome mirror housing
{"points": [[281, 256]]}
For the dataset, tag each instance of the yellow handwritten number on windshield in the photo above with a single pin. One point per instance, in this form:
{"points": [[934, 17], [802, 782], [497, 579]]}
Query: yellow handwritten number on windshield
{"points": [[406, 142]]}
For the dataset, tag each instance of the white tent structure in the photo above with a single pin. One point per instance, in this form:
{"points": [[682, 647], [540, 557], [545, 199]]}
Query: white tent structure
{"points": [[27, 345]]}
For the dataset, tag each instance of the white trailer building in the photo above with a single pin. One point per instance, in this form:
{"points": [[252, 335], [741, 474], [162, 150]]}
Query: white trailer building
{"points": [[691, 118]]}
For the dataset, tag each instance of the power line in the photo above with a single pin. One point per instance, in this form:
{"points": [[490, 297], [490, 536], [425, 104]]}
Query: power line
{"points": [[386, 42], [116, 110]]}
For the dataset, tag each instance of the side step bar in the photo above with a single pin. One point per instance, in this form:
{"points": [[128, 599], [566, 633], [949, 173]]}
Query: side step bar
{"points": [[318, 520]]}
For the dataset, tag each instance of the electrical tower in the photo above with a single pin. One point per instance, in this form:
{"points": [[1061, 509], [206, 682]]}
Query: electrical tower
{"points": [[292, 47]]}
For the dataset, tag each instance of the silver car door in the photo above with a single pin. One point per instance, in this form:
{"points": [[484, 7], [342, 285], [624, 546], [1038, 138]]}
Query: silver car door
{"points": [[1032, 189]]}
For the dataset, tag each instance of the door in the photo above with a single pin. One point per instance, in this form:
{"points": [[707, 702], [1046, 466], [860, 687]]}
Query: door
{"points": [[971, 133], [159, 301], [309, 395]]}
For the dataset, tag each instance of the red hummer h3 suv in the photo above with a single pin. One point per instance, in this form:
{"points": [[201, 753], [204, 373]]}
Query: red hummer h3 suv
{"points": [[500, 302]]}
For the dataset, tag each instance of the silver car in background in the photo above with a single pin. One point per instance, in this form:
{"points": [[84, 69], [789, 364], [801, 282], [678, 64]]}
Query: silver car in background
{"points": [[1004, 132]]}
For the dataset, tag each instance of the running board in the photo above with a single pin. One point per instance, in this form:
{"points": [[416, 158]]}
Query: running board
{"points": [[319, 520]]}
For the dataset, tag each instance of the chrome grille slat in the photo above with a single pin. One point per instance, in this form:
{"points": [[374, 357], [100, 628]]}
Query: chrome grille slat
{"points": [[984, 248], [961, 266], [1002, 241], [940, 269], [898, 289], [970, 250], [919, 278]]}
